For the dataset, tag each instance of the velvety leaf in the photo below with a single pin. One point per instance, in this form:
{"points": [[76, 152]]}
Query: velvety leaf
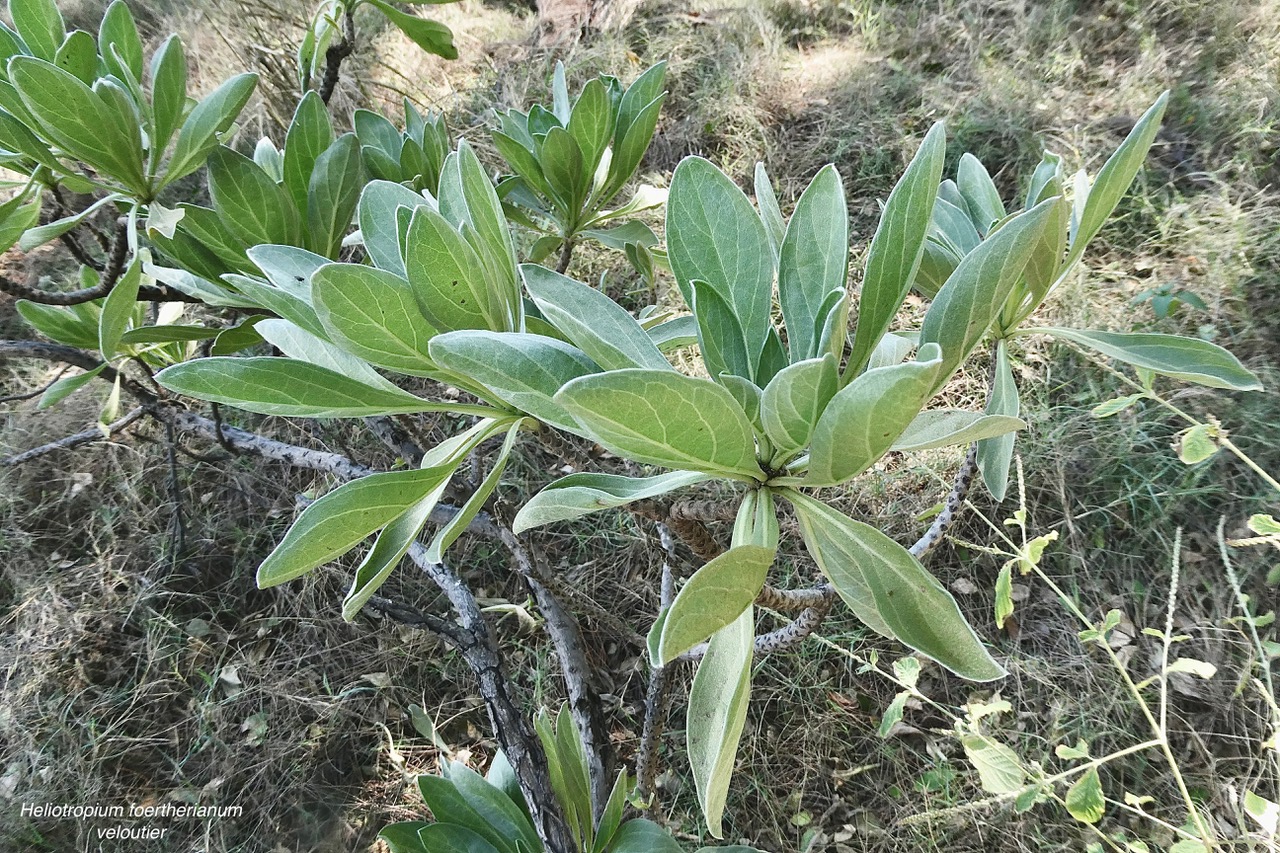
{"points": [[342, 519], [379, 218], [456, 526], [969, 302], [591, 123], [284, 386], [664, 418], [995, 453], [431, 36], [75, 325], [721, 340], [373, 314], [403, 837], [525, 371], [210, 117], [447, 276], [714, 235], [580, 494], [309, 135], [118, 37], [794, 400], [297, 343], [717, 714], [715, 596], [336, 184], [770, 214], [118, 309], [494, 808], [906, 601], [78, 56], [947, 427], [1188, 359], [813, 260], [640, 835], [450, 838], [597, 325], [864, 419], [65, 387], [979, 192], [40, 24], [897, 246], [252, 205]]}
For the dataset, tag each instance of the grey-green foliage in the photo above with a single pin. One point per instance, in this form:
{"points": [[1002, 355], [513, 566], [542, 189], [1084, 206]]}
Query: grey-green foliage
{"points": [[570, 163], [475, 814], [329, 23]]}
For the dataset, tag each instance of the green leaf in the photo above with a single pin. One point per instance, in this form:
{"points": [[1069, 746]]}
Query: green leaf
{"points": [[629, 147], [65, 387], [591, 123], [714, 597], [1004, 594], [373, 314], [39, 235], [249, 202], [979, 192], [456, 526], [1115, 405], [309, 135], [403, 837], [644, 836], [118, 309], [664, 418], [973, 296], [447, 276], [168, 91], [714, 235], [75, 325], [675, 334], [581, 494], [995, 453], [794, 400], [905, 599], [897, 246], [1197, 444], [1085, 800], [297, 343], [444, 798], [567, 175], [523, 370], [380, 215], [291, 388], [494, 808], [213, 115], [40, 24], [332, 196], [770, 214], [864, 419], [597, 325], [431, 36], [717, 714], [118, 37], [813, 260], [345, 517], [1264, 812], [723, 345], [1115, 177], [999, 770], [948, 427], [77, 120], [78, 56], [1188, 359]]}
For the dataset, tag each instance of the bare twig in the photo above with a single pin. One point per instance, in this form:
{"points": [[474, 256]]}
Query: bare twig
{"points": [[584, 696], [955, 500], [72, 441], [179, 527], [412, 617], [657, 700], [566, 255], [336, 53]]}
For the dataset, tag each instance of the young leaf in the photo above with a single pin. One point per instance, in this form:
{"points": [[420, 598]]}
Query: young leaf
{"points": [[342, 519], [494, 808], [596, 324], [1188, 359], [310, 134], [641, 835], [995, 453], [76, 325], [795, 399], [447, 276], [284, 386], [906, 601], [813, 260], [118, 309], [431, 36], [250, 203], [969, 302], [664, 418], [119, 41], [1085, 800], [373, 314], [948, 427], [770, 214], [336, 183], [979, 193], [721, 340], [40, 24], [897, 246], [525, 371], [456, 526], [714, 235], [443, 797], [213, 115], [864, 419], [66, 386], [580, 494], [715, 596], [717, 714], [591, 123]]}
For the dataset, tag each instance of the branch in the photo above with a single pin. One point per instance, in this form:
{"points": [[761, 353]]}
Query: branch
{"points": [[783, 639], [955, 500], [412, 617], [72, 441], [76, 357], [30, 395], [657, 700], [337, 52], [566, 636], [518, 742]]}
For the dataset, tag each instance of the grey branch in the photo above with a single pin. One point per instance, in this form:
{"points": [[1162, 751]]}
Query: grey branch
{"points": [[955, 500], [657, 700], [72, 441]]}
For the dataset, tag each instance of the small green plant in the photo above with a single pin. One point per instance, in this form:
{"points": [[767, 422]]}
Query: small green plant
{"points": [[572, 161]]}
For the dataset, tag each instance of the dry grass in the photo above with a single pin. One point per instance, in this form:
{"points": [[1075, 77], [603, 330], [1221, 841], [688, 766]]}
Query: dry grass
{"points": [[125, 679]]}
